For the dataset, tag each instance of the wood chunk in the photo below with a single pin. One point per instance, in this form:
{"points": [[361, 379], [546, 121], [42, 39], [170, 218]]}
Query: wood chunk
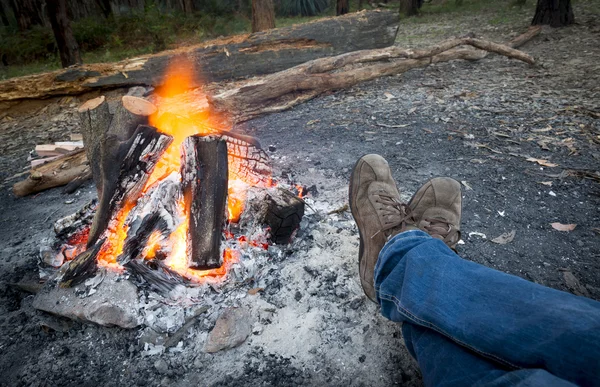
{"points": [[95, 119], [45, 160], [82, 267], [130, 113], [56, 173], [126, 169], [159, 278], [205, 177], [283, 212], [247, 160], [47, 150]]}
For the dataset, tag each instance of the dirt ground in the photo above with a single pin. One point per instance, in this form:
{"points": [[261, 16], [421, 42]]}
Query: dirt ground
{"points": [[477, 122]]}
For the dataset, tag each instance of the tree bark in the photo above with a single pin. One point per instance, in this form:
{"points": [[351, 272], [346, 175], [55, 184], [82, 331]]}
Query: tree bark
{"points": [[95, 120], [3, 15], [342, 7], [67, 45], [556, 13], [263, 15]]}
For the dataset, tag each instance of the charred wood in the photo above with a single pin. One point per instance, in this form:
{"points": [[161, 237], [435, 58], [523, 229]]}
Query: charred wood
{"points": [[282, 212], [205, 176], [126, 169], [159, 278], [82, 267]]}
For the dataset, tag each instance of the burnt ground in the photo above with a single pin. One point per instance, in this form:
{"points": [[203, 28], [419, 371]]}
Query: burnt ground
{"points": [[476, 122]]}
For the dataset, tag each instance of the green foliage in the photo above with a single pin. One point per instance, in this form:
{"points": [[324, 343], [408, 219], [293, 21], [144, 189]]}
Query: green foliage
{"points": [[302, 7]]}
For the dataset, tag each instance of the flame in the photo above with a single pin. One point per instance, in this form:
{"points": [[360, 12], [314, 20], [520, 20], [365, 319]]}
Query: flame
{"points": [[177, 118]]}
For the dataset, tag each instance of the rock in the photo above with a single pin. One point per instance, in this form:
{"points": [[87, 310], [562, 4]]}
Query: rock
{"points": [[161, 366], [113, 303], [231, 329]]}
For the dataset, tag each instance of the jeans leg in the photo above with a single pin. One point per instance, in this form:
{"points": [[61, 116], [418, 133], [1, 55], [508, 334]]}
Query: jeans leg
{"points": [[444, 363], [517, 323]]}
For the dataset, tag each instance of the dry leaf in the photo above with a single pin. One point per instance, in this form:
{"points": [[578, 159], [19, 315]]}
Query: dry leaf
{"points": [[563, 227], [253, 291], [548, 183], [389, 96], [543, 162], [505, 238]]}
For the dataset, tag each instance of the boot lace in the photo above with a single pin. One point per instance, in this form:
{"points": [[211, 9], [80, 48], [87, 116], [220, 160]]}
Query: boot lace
{"points": [[441, 229], [394, 214]]}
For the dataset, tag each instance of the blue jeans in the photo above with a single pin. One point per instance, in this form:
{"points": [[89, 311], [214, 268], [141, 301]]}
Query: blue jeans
{"points": [[467, 324]]}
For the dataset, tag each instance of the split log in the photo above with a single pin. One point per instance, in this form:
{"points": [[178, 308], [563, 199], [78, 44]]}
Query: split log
{"points": [[282, 90], [282, 212], [247, 160], [204, 174], [56, 173], [158, 278], [95, 119], [222, 59], [126, 169], [82, 267]]}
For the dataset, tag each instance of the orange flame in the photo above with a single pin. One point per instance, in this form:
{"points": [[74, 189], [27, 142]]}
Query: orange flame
{"points": [[177, 118]]}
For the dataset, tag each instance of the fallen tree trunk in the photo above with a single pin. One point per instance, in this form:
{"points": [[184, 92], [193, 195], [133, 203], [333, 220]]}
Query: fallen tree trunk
{"points": [[282, 90], [56, 173], [223, 59]]}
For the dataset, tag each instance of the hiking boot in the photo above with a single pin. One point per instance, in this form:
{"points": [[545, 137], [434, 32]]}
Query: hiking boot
{"points": [[436, 206], [378, 212]]}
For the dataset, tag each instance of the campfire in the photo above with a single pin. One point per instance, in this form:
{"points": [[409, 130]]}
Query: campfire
{"points": [[174, 185]]}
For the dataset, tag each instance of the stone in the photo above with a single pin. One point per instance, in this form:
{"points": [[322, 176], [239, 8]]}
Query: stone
{"points": [[113, 302], [231, 329], [161, 366]]}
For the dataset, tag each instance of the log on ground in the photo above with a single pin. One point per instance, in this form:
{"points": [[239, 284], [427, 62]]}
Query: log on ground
{"points": [[282, 90], [223, 59]]}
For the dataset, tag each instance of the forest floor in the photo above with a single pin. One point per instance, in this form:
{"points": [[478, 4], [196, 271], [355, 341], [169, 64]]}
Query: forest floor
{"points": [[478, 122]]}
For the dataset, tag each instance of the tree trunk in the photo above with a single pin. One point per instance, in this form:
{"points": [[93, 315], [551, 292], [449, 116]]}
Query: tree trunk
{"points": [[409, 7], [104, 6], [3, 15], [67, 45], [27, 13], [343, 7], [188, 6], [263, 15], [556, 13]]}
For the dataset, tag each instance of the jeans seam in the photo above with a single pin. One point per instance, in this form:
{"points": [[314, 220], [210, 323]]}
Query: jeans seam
{"points": [[404, 311]]}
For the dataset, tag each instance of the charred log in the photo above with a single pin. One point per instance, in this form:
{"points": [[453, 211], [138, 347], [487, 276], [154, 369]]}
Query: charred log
{"points": [[205, 176], [82, 267], [159, 278], [283, 213], [95, 120], [126, 168], [248, 161]]}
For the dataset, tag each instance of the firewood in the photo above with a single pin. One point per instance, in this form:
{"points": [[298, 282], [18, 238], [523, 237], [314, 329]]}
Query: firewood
{"points": [[46, 150], [56, 173], [82, 267], [228, 58], [126, 168], [130, 113], [282, 212], [282, 90], [154, 212], [205, 176], [77, 182], [158, 278], [37, 162], [95, 119]]}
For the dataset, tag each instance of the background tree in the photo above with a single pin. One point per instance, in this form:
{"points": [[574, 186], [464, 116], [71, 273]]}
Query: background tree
{"points": [[343, 7], [263, 15], [4, 15], [67, 45], [104, 6], [27, 12], [557, 13], [187, 6], [410, 7]]}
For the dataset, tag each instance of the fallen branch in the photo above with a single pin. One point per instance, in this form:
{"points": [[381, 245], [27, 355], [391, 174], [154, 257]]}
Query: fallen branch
{"points": [[282, 90]]}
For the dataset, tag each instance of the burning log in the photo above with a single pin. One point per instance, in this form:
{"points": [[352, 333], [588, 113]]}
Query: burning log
{"points": [[126, 169], [158, 278], [205, 176], [82, 267], [282, 212], [248, 161], [56, 173], [282, 90]]}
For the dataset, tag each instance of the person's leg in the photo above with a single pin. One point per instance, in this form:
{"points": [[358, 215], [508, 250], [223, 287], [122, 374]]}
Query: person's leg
{"points": [[514, 322], [444, 363]]}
